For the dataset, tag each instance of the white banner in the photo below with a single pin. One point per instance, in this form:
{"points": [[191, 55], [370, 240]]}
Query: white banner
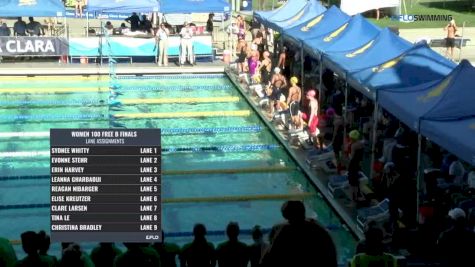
{"points": [[353, 7]]}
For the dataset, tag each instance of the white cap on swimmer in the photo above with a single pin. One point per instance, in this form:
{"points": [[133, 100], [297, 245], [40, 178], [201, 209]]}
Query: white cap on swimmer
{"points": [[277, 70]]}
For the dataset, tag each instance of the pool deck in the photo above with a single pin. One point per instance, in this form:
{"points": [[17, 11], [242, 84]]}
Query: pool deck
{"points": [[319, 178]]}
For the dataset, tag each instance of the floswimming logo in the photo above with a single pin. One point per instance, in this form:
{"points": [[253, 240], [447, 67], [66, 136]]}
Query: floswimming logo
{"points": [[27, 3], [312, 23], [419, 17], [335, 33], [387, 65], [360, 50], [437, 91]]}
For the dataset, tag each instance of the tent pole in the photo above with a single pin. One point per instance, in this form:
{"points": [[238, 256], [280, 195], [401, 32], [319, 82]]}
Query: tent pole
{"points": [[302, 74], [461, 42], [320, 84], [66, 28], [373, 145], [345, 114], [418, 177], [87, 24], [100, 43]]}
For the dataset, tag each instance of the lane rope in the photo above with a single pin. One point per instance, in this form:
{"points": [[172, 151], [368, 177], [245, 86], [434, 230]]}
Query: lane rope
{"points": [[171, 76], [165, 131], [276, 168], [223, 148], [132, 101], [191, 114], [239, 198]]}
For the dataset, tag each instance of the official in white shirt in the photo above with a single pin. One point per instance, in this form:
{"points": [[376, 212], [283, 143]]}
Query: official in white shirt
{"points": [[162, 35], [186, 34]]}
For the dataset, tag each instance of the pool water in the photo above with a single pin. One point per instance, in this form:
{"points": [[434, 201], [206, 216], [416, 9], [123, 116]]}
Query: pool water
{"points": [[247, 164]]}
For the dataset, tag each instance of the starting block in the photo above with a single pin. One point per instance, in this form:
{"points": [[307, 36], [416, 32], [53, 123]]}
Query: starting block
{"points": [[319, 158], [258, 89], [338, 183], [329, 167]]}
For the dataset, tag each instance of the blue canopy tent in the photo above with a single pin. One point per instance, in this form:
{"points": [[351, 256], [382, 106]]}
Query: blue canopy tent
{"points": [[417, 66], [322, 24], [38, 8], [440, 110], [311, 10], [351, 35], [383, 48], [450, 98], [108, 6], [456, 136], [193, 6], [284, 12]]}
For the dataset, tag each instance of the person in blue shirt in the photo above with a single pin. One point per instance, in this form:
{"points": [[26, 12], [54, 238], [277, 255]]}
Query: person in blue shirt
{"points": [[19, 28]]}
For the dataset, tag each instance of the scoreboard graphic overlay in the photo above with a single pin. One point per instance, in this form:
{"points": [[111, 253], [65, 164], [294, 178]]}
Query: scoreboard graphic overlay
{"points": [[105, 185]]}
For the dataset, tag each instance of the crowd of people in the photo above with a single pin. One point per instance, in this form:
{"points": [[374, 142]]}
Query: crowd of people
{"points": [[21, 28], [348, 131], [298, 241]]}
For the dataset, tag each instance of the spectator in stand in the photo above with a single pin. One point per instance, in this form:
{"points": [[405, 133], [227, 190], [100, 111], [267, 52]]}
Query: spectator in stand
{"points": [[123, 27], [73, 256], [456, 171], [43, 247], [34, 28], [19, 28], [258, 248], [30, 244], [145, 25], [78, 7], [299, 241], [109, 27], [138, 255], [4, 30], [456, 244], [134, 22], [200, 252], [167, 251], [373, 254], [7, 253], [104, 254], [471, 178], [232, 253]]}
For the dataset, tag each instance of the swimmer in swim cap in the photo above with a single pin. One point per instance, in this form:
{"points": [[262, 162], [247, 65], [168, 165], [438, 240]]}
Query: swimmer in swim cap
{"points": [[312, 118]]}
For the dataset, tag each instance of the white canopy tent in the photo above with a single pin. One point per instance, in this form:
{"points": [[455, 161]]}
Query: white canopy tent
{"points": [[353, 7]]}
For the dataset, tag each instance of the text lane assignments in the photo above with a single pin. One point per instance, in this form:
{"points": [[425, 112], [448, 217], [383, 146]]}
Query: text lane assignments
{"points": [[105, 185]]}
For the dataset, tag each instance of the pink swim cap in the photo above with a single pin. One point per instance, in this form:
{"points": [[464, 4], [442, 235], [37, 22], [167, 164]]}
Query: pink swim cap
{"points": [[311, 93]]}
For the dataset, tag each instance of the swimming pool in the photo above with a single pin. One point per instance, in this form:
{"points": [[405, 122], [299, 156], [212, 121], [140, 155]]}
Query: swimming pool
{"points": [[220, 162]]}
